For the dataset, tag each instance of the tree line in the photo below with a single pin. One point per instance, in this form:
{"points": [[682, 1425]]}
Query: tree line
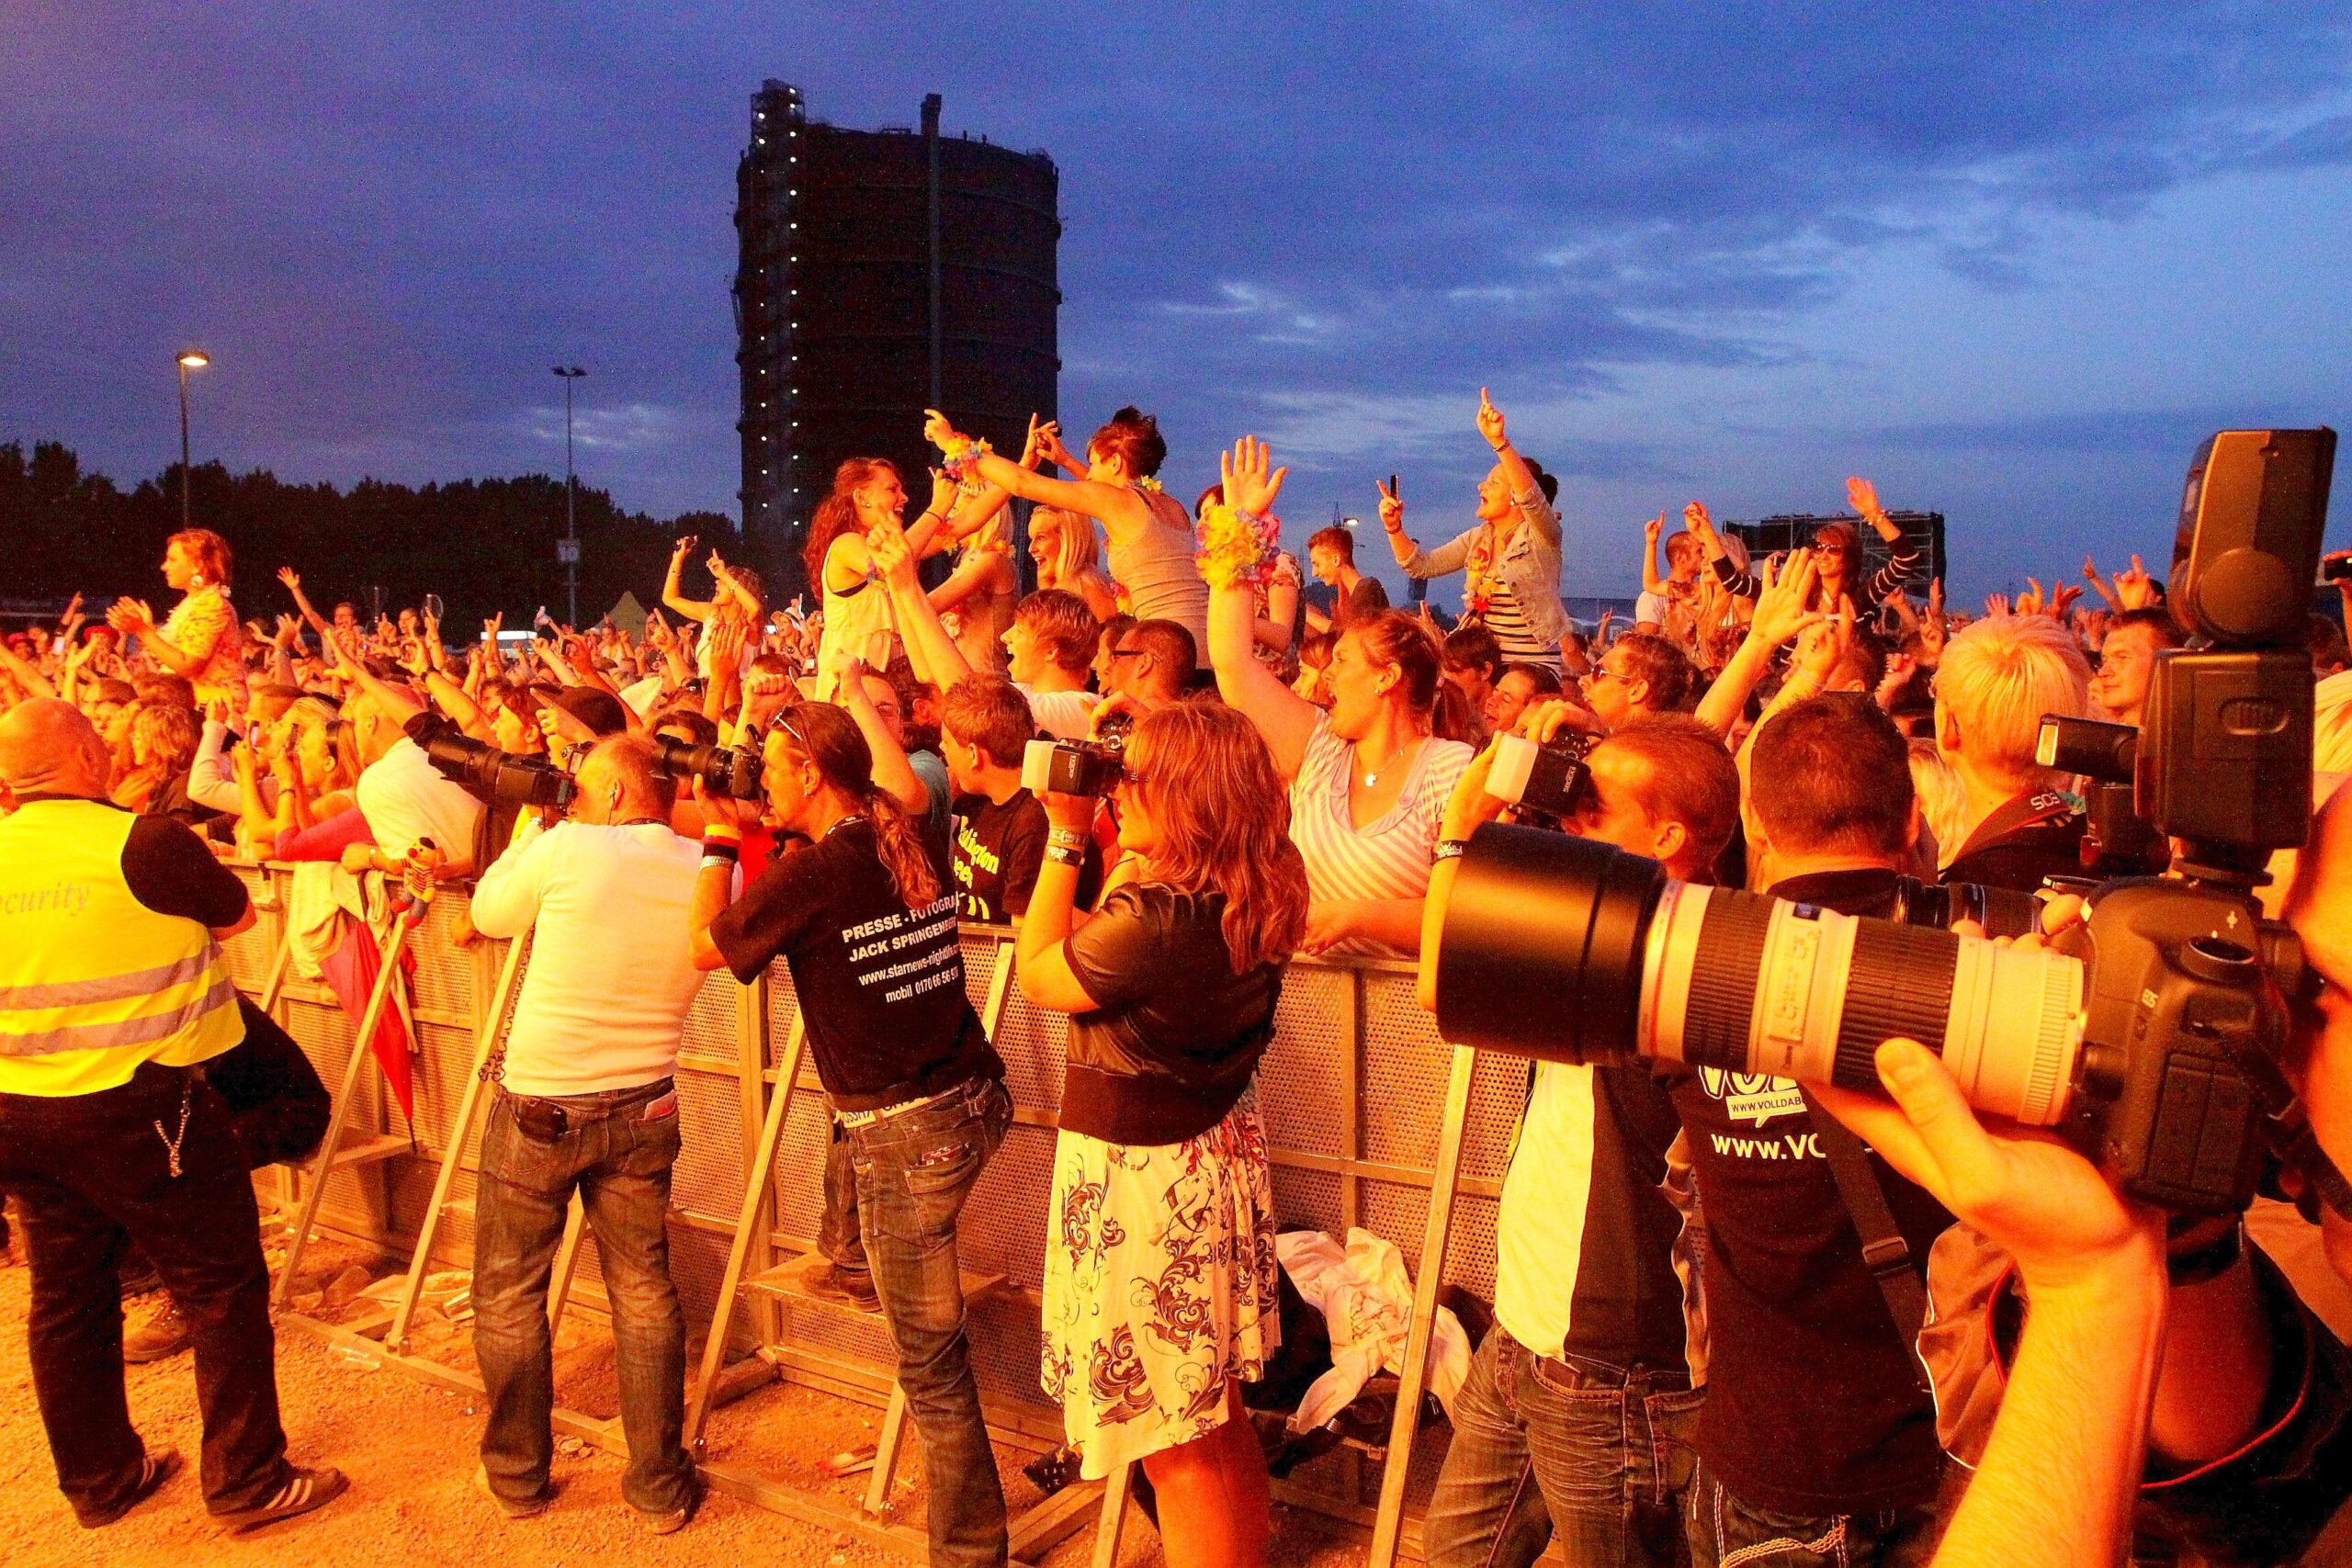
{"points": [[487, 546]]}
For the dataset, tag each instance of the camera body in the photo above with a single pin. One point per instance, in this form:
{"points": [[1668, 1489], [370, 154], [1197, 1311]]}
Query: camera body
{"points": [[495, 777], [1548, 781], [734, 771], [1074, 767], [2152, 1033]]}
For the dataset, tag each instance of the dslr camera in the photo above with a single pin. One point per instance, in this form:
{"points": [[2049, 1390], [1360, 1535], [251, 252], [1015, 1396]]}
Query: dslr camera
{"points": [[1074, 767], [2151, 1034], [1548, 781], [495, 777], [734, 771]]}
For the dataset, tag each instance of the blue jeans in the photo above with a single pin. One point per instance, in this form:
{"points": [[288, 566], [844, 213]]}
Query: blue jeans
{"points": [[618, 1158], [914, 1170], [1600, 1454], [1725, 1530]]}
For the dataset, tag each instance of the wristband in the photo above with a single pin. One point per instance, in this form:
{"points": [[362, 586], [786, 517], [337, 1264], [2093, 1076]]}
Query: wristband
{"points": [[721, 849], [1062, 854], [724, 863], [929, 513], [1067, 839], [1450, 848]]}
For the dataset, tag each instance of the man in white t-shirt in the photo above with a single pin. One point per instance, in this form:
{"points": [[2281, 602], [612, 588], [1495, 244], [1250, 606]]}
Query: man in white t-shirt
{"points": [[404, 797], [1049, 647], [586, 1101]]}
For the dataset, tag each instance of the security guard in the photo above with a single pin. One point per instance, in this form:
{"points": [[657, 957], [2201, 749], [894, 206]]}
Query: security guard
{"points": [[112, 995]]}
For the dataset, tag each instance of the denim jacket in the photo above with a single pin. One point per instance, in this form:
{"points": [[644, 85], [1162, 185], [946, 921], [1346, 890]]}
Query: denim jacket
{"points": [[1530, 566]]}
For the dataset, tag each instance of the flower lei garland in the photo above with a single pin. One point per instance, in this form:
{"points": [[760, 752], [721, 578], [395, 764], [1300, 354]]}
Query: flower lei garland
{"points": [[959, 454], [1237, 549], [1150, 484], [1479, 578]]}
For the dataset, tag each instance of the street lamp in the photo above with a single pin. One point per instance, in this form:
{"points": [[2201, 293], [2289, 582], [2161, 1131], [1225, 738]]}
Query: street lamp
{"points": [[190, 359], [569, 552]]}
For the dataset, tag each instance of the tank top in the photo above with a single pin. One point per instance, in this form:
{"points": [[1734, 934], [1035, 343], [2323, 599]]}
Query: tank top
{"points": [[1157, 572], [1389, 857], [858, 620]]}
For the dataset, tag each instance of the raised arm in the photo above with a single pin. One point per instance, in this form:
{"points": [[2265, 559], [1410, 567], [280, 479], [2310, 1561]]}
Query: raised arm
{"points": [[1114, 505], [287, 575], [27, 674], [893, 774], [672, 594], [1417, 562], [1651, 582], [936, 659], [1900, 563], [1781, 615], [1536, 513], [1284, 718]]}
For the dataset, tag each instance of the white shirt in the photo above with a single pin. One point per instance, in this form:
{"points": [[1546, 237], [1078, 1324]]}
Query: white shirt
{"points": [[1062, 715], [611, 975], [1539, 1231], [406, 800], [212, 781]]}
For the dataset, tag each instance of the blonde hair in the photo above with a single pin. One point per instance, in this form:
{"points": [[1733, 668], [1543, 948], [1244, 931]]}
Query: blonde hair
{"points": [[1076, 552], [1999, 676], [1225, 815]]}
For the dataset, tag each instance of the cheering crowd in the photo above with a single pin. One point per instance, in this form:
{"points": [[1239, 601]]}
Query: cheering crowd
{"points": [[1695, 1354]]}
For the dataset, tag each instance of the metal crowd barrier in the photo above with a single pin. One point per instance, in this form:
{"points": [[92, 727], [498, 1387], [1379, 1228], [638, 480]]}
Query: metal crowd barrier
{"points": [[1370, 1122]]}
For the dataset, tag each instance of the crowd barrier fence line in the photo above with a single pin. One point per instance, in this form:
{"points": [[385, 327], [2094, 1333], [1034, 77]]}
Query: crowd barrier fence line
{"points": [[1370, 1122]]}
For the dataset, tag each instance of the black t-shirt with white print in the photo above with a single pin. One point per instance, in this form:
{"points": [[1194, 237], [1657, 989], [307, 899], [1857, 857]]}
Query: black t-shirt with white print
{"points": [[880, 985], [1814, 1407], [997, 850]]}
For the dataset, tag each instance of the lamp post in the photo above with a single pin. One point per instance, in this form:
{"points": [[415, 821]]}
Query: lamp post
{"points": [[569, 551], [190, 359]]}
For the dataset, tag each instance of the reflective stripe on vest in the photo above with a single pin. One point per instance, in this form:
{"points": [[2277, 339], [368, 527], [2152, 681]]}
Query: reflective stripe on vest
{"points": [[93, 983]]}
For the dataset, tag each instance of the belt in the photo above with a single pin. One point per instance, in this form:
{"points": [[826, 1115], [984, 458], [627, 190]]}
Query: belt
{"points": [[870, 1118]]}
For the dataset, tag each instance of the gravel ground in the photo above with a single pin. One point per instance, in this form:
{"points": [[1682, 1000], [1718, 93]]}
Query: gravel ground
{"points": [[409, 1446]]}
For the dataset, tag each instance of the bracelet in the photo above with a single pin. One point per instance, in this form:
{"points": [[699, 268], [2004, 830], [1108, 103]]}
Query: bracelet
{"points": [[724, 863], [929, 514], [721, 849], [1450, 848], [1062, 854], [1067, 838]]}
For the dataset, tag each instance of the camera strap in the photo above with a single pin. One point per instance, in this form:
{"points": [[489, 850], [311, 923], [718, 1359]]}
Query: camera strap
{"points": [[1884, 1251]]}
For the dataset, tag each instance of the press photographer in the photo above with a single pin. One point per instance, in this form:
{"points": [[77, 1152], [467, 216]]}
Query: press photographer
{"points": [[586, 1102], [861, 914]]}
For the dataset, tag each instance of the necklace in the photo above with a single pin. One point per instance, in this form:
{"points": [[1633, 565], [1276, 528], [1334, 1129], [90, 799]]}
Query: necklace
{"points": [[1372, 779]]}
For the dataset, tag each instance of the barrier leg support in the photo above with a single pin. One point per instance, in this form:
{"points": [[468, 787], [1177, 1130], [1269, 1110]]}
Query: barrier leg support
{"points": [[747, 1224], [886, 1452], [324, 1164], [1113, 1517], [460, 1137], [1388, 1521]]}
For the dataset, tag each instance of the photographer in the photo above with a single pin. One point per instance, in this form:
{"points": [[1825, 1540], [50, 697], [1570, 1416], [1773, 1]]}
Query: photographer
{"points": [[1000, 829], [861, 916], [586, 1102], [1160, 1273], [1577, 1415]]}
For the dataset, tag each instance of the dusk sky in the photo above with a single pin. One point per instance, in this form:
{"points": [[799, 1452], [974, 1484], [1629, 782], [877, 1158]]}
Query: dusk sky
{"points": [[2011, 261]]}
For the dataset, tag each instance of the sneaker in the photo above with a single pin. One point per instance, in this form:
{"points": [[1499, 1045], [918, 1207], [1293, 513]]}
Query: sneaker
{"points": [[528, 1508], [159, 1466], [835, 1284], [162, 1336], [301, 1491]]}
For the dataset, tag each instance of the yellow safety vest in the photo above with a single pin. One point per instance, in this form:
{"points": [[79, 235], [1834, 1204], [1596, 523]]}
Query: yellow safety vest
{"points": [[93, 983]]}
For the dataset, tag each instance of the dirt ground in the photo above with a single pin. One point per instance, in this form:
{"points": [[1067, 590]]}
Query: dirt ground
{"points": [[409, 1448]]}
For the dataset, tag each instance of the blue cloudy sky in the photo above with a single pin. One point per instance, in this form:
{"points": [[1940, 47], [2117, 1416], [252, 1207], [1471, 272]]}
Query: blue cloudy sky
{"points": [[2011, 260]]}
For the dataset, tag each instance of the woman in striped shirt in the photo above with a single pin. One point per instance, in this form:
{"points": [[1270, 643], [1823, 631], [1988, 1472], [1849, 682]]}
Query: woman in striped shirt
{"points": [[1369, 779], [1510, 561]]}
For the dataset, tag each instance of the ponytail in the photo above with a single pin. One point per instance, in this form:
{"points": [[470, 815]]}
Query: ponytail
{"points": [[900, 843]]}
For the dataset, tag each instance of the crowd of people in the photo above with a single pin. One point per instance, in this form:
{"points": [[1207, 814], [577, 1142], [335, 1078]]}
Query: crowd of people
{"points": [[1694, 1355]]}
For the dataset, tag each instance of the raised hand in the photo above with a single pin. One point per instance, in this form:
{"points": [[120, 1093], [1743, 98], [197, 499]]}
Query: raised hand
{"points": [[1491, 422], [1252, 483], [292, 579], [1785, 590], [685, 548], [1702, 526], [938, 432], [1862, 496], [1652, 529], [894, 558], [2030, 604], [1997, 603], [1824, 647], [2134, 589], [1900, 668], [2061, 595], [1600, 632], [1050, 447], [1392, 510]]}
